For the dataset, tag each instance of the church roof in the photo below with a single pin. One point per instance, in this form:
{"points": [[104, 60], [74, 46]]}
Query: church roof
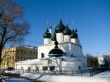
{"points": [[67, 31], [60, 27], [56, 52], [47, 34], [74, 34]]}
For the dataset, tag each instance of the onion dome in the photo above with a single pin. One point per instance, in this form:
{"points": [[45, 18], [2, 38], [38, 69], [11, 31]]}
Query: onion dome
{"points": [[74, 34], [47, 34], [56, 52], [67, 31], [60, 27]]}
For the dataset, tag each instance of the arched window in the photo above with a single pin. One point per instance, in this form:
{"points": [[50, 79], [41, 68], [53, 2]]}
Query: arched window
{"points": [[42, 55]]}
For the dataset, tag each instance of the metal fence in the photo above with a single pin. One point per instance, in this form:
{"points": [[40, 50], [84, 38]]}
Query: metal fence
{"points": [[90, 72], [56, 72]]}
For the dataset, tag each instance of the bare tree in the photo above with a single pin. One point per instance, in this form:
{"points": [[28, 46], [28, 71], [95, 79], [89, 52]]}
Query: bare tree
{"points": [[92, 61], [13, 28]]}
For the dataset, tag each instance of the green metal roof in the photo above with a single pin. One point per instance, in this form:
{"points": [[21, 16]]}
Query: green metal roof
{"points": [[74, 34], [60, 27], [47, 34], [67, 31]]}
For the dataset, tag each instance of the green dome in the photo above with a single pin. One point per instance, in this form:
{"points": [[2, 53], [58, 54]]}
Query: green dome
{"points": [[67, 31], [47, 34], [60, 27], [74, 34]]}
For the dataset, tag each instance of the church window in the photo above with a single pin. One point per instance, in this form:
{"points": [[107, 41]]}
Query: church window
{"points": [[42, 55], [52, 68]]}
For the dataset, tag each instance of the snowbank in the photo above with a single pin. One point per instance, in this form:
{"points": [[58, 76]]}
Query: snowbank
{"points": [[102, 77]]}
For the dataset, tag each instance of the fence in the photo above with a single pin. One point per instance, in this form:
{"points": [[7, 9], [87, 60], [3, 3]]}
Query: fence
{"points": [[90, 71], [56, 72]]}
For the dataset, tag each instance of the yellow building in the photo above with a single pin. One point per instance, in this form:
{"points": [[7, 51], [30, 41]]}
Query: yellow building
{"points": [[14, 54]]}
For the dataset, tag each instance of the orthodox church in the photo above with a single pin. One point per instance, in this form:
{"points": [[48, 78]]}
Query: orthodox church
{"points": [[63, 45], [61, 51]]}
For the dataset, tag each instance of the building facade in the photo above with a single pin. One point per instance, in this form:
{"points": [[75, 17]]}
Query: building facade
{"points": [[68, 42], [61, 51], [104, 60], [15, 54]]}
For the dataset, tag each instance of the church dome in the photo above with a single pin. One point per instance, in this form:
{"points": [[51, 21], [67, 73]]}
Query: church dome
{"points": [[74, 34], [56, 52], [47, 34], [60, 27], [67, 31]]}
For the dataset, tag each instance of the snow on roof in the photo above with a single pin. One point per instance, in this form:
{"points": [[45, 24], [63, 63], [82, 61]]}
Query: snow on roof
{"points": [[33, 61]]}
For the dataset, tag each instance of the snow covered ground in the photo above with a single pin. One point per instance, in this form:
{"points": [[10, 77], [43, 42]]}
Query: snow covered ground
{"points": [[102, 77]]}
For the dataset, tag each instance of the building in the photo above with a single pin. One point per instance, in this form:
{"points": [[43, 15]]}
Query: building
{"points": [[68, 42], [104, 60], [61, 51], [15, 54]]}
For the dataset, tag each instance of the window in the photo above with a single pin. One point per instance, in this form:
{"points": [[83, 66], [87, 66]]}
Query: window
{"points": [[18, 57], [45, 68], [42, 55], [52, 68], [13, 57]]}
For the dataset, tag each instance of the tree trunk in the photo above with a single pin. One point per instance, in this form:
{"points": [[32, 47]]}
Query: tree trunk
{"points": [[0, 57]]}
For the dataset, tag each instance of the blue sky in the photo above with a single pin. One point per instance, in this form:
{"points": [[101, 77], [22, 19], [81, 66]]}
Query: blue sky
{"points": [[90, 17]]}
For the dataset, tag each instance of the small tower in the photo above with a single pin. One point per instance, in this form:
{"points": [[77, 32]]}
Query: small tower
{"points": [[47, 37], [50, 30], [53, 38], [67, 34], [74, 37], [59, 32]]}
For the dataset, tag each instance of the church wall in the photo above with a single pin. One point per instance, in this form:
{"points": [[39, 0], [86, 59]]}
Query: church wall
{"points": [[67, 38], [47, 41], [76, 50], [60, 37], [75, 41], [71, 65], [71, 49], [45, 50]]}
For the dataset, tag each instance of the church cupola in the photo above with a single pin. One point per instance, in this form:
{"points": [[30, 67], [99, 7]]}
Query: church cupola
{"points": [[50, 30], [67, 34], [74, 34], [67, 31], [59, 32], [47, 34], [47, 37], [60, 27], [74, 37]]}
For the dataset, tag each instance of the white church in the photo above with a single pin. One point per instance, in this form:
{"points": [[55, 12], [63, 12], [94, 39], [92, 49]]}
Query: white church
{"points": [[61, 51]]}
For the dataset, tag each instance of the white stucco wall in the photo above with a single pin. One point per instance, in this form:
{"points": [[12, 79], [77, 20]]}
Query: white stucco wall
{"points": [[75, 41], [101, 60], [67, 38], [47, 41], [68, 47], [44, 49], [71, 65], [60, 37]]}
